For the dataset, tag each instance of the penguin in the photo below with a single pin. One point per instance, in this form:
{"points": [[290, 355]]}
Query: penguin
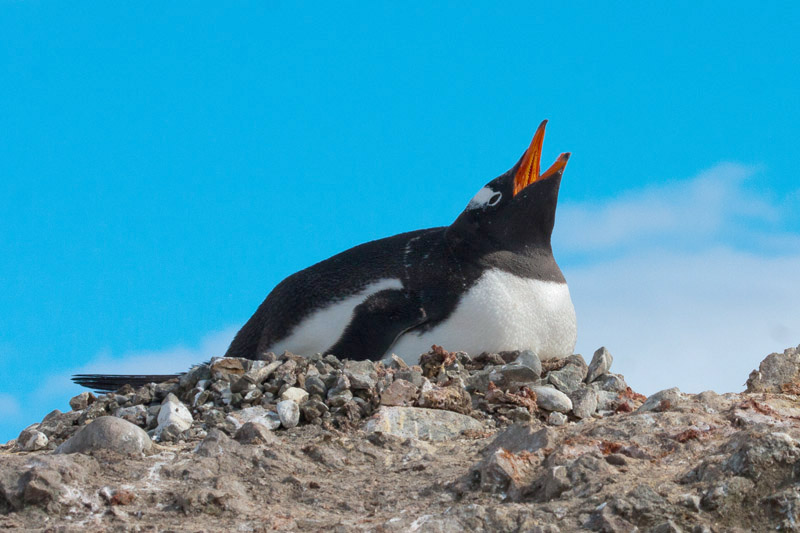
{"points": [[488, 282]]}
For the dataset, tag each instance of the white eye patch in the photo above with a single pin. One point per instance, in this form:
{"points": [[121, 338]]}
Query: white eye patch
{"points": [[484, 197]]}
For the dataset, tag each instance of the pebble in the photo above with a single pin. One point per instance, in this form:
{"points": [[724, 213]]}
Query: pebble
{"points": [[295, 394], [108, 433], [529, 359], [257, 414], [173, 419], [551, 399], [289, 413], [255, 433], [31, 440], [661, 401], [82, 401], [400, 392], [600, 365], [584, 402], [557, 419]]}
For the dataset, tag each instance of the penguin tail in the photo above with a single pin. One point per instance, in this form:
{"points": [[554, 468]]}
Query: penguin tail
{"points": [[112, 382]]}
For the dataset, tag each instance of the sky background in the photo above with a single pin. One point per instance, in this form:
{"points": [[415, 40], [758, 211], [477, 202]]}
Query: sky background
{"points": [[164, 165]]}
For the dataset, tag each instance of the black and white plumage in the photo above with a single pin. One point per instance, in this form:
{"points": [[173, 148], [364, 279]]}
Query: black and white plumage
{"points": [[487, 282]]}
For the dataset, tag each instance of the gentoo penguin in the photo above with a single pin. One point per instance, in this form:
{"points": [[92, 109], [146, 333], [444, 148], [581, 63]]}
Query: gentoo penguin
{"points": [[487, 282]]}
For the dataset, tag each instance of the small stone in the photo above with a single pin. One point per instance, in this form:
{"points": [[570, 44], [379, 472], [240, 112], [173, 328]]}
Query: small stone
{"points": [[400, 392], [567, 379], [255, 433], [616, 459], [108, 433], [227, 368], [502, 471], [173, 419], [584, 402], [512, 377], [661, 401], [557, 419], [667, 527], [600, 365], [611, 383], [412, 375], [82, 401], [295, 394], [449, 398], [215, 444], [289, 413], [776, 373], [419, 423], [259, 373], [531, 360], [315, 385], [338, 399], [361, 374], [551, 399], [135, 414], [31, 440], [313, 410]]}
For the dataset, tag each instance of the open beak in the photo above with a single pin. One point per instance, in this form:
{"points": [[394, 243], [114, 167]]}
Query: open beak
{"points": [[528, 171]]}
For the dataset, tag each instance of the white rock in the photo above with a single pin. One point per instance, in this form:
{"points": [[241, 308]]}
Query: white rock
{"points": [[661, 401], [295, 393], [173, 418], [551, 399], [258, 415], [289, 413], [31, 440]]}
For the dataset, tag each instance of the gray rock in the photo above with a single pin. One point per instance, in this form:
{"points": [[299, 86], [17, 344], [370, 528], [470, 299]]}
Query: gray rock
{"points": [[661, 401], [259, 373], [502, 471], [667, 527], [513, 376], [411, 375], [557, 419], [400, 392], [600, 365], [315, 385], [361, 374], [313, 410], [108, 433], [777, 373], [255, 433], [420, 423], [31, 439], [584, 402], [135, 414], [529, 359], [611, 383], [567, 379], [289, 413], [524, 438], [173, 419], [82, 401], [215, 444], [551, 399]]}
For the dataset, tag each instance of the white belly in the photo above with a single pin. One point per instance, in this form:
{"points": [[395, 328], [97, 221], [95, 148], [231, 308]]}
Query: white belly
{"points": [[320, 330], [502, 312]]}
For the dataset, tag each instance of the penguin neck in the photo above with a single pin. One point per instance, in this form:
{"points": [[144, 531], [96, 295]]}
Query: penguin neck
{"points": [[530, 262]]}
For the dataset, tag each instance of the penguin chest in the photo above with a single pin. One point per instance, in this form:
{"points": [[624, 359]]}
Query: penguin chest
{"points": [[502, 312]]}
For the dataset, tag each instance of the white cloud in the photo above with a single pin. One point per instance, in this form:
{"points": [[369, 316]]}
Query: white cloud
{"points": [[9, 406], [722, 204], [689, 284], [698, 321]]}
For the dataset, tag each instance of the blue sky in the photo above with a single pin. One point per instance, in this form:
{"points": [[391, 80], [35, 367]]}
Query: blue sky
{"points": [[163, 166]]}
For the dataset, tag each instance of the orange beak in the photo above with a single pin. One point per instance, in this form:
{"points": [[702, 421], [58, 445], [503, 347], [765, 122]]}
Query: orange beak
{"points": [[528, 171]]}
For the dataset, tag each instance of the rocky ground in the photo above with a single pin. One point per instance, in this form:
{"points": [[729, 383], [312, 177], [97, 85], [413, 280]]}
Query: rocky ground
{"points": [[496, 442]]}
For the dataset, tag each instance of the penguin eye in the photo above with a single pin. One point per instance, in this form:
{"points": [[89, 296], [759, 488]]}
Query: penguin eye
{"points": [[495, 198]]}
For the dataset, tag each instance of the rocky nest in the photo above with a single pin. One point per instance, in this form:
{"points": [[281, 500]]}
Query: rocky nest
{"points": [[497, 441]]}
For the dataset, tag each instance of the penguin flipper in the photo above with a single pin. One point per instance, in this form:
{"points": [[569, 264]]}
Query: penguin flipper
{"points": [[376, 323]]}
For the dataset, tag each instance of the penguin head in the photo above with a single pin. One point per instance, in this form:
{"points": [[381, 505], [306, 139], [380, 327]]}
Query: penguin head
{"points": [[515, 211]]}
